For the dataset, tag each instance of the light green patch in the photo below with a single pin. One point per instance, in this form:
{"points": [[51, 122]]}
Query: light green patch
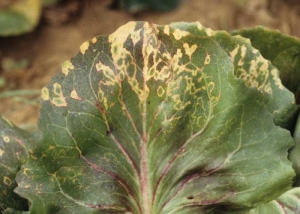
{"points": [[66, 66]]}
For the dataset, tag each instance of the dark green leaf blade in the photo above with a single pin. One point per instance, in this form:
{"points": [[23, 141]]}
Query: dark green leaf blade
{"points": [[282, 50], [151, 119], [14, 147]]}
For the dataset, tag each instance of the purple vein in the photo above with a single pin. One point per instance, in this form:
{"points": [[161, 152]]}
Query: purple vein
{"points": [[185, 144], [191, 178], [113, 175], [118, 143]]}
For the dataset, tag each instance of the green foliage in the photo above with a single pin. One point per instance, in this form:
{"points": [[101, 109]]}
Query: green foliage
{"points": [[159, 119], [282, 50], [19, 17], [134, 6]]}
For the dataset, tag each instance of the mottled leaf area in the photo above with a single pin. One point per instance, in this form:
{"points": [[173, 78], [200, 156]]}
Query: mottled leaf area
{"points": [[14, 146], [152, 120]]}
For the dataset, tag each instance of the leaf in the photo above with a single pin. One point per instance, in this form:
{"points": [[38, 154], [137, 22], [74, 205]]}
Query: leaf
{"points": [[135, 6], [19, 17], [151, 119], [282, 50], [294, 155], [256, 72], [14, 146], [287, 203]]}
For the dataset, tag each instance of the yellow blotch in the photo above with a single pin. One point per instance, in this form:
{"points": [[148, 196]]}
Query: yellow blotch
{"points": [[45, 94], [59, 100], [276, 78], [189, 50], [84, 46], [1, 152], [178, 34], [167, 30], [207, 59], [66, 66], [7, 181], [160, 91], [6, 139], [94, 40], [74, 95]]}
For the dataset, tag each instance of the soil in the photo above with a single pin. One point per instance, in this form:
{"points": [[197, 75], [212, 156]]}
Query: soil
{"points": [[66, 26]]}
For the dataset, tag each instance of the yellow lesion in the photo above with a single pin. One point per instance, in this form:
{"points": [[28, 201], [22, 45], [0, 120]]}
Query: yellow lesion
{"points": [[276, 78], [66, 66], [58, 99], [45, 94], [258, 73], [7, 181], [189, 50], [167, 30], [84, 46], [94, 40], [1, 152], [207, 59], [74, 95], [6, 139], [160, 91], [178, 34]]}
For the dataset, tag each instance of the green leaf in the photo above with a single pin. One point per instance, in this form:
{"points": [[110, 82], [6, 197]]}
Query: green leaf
{"points": [[256, 72], [152, 119], [282, 50], [19, 17], [134, 6], [294, 155], [14, 147], [287, 203]]}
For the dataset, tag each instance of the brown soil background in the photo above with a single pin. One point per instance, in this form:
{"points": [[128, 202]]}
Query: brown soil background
{"points": [[51, 44]]}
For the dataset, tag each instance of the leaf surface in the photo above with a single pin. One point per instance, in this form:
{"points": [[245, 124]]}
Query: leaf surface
{"points": [[282, 50], [14, 147], [287, 203], [152, 119]]}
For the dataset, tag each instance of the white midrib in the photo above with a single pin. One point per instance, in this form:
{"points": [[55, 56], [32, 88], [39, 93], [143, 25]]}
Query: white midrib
{"points": [[144, 165]]}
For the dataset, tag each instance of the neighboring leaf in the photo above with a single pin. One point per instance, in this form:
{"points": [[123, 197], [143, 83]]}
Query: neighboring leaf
{"points": [[134, 6], [256, 72], [19, 17], [287, 203], [151, 119], [50, 2], [282, 50], [295, 152], [14, 145]]}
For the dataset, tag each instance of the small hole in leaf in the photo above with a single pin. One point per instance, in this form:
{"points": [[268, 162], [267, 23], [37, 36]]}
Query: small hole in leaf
{"points": [[190, 197]]}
